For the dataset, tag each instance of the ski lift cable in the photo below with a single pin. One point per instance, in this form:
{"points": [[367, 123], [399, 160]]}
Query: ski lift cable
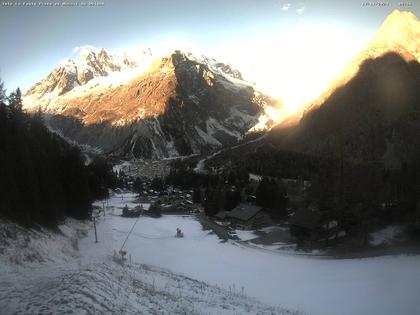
{"points": [[146, 235], [161, 237], [131, 230]]}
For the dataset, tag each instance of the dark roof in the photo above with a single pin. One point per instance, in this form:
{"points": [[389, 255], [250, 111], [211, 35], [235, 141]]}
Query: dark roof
{"points": [[221, 215], [243, 212], [305, 217]]}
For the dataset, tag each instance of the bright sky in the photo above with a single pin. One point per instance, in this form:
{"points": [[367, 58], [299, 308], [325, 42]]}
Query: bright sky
{"points": [[291, 49]]}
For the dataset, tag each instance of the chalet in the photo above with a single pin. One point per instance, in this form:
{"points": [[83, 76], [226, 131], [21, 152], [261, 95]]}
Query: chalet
{"points": [[132, 213], [305, 224], [221, 215], [245, 216], [255, 178], [175, 208]]}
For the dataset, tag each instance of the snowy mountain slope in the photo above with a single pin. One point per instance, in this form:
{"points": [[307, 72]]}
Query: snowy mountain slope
{"points": [[179, 104], [93, 68]]}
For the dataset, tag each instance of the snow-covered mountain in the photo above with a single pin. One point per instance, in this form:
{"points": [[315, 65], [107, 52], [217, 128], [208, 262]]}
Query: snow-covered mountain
{"points": [[150, 106], [70, 73]]}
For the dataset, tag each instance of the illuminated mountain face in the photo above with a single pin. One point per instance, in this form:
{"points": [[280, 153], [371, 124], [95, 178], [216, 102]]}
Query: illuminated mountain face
{"points": [[373, 117], [156, 107], [73, 78], [399, 33], [371, 111], [143, 89]]}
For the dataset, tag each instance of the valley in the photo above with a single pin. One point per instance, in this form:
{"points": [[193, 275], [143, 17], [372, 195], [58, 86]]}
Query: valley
{"points": [[156, 176]]}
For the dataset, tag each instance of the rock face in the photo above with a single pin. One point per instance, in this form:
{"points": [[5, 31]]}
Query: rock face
{"points": [[170, 106]]}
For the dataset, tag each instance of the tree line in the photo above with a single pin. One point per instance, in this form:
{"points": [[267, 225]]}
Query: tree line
{"points": [[43, 178], [225, 189]]}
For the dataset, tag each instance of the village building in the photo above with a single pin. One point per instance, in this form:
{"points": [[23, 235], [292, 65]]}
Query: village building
{"points": [[308, 224], [245, 217], [132, 213], [305, 224]]}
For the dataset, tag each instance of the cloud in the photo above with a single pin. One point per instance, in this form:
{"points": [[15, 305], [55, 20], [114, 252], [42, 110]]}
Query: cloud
{"points": [[286, 6], [300, 10], [83, 49]]}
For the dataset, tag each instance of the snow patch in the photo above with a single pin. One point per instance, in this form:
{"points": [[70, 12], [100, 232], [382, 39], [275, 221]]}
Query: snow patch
{"points": [[213, 126], [207, 138], [386, 236], [245, 235]]}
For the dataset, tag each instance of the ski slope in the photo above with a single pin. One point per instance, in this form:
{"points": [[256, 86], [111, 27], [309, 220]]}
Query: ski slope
{"points": [[229, 278], [320, 286], [45, 272]]}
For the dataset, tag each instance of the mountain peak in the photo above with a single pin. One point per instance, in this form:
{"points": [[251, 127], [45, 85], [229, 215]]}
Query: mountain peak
{"points": [[102, 54], [398, 16], [67, 62], [400, 22], [400, 32]]}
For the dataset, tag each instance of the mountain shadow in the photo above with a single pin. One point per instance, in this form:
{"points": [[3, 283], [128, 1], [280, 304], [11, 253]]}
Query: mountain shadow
{"points": [[374, 116]]}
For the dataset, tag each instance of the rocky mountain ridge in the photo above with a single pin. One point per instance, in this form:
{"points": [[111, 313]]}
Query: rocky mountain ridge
{"points": [[77, 75], [179, 104]]}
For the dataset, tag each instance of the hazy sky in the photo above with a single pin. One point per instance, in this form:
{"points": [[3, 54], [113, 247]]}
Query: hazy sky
{"points": [[267, 39]]}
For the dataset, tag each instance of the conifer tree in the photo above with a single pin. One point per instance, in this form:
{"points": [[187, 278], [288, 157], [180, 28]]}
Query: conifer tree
{"points": [[2, 92], [15, 100]]}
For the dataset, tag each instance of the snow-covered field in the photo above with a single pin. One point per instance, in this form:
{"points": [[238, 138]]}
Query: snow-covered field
{"points": [[43, 272], [320, 286]]}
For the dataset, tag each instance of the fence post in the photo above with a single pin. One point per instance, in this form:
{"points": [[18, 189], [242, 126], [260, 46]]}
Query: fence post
{"points": [[94, 225]]}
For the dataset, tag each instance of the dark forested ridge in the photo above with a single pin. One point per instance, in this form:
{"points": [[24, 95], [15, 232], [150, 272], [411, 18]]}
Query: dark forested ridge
{"points": [[43, 178], [359, 151], [367, 139], [378, 111]]}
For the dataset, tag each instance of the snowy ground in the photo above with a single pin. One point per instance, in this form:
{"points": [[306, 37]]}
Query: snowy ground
{"points": [[388, 235], [382, 285], [273, 238], [109, 288], [56, 272]]}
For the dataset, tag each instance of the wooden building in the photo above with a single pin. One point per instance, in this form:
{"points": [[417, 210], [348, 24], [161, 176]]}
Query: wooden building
{"points": [[245, 216]]}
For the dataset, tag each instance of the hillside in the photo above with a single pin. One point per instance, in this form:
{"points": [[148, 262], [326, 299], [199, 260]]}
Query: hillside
{"points": [[374, 99], [48, 272], [44, 178], [372, 114], [399, 33], [369, 112]]}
